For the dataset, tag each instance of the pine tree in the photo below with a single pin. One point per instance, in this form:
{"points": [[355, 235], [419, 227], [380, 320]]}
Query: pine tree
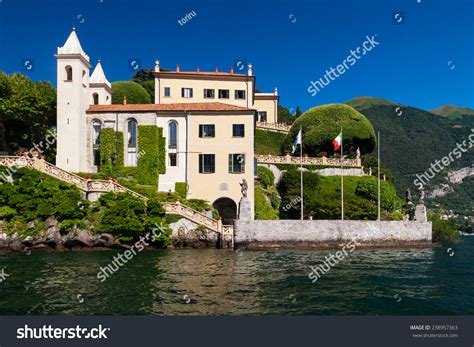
{"points": [[298, 112]]}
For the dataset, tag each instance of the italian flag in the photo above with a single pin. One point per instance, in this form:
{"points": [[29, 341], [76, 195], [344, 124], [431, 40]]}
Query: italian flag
{"points": [[337, 142]]}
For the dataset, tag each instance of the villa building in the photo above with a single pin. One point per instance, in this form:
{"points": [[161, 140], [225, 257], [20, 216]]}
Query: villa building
{"points": [[207, 120]]}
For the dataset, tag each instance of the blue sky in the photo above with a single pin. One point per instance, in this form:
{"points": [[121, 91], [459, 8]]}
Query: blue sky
{"points": [[424, 61]]}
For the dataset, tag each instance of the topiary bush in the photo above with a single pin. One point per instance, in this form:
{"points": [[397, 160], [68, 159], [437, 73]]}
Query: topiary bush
{"points": [[134, 92], [323, 123]]}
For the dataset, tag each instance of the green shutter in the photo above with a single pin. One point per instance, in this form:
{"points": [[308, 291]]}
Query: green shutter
{"points": [[230, 164]]}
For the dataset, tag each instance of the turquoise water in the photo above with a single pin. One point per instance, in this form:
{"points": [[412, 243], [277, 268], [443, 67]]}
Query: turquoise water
{"points": [[222, 282]]}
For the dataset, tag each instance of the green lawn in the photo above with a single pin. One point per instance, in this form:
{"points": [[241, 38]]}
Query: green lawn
{"points": [[268, 142]]}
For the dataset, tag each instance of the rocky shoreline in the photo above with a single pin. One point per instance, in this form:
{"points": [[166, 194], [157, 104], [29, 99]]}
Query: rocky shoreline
{"points": [[185, 234], [52, 240]]}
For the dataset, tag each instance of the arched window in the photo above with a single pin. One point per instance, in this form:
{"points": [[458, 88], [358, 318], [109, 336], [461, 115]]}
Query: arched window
{"points": [[132, 133], [96, 127], [68, 73], [173, 135], [172, 143], [95, 98], [132, 157]]}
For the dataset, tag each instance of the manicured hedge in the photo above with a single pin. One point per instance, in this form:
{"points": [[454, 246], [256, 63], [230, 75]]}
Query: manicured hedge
{"points": [[323, 123], [134, 92]]}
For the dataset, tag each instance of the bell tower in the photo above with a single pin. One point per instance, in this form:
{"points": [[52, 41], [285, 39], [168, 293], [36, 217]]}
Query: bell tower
{"points": [[72, 102]]}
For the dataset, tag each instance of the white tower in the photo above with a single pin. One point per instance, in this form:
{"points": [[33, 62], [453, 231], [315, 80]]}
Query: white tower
{"points": [[100, 89], [72, 102]]}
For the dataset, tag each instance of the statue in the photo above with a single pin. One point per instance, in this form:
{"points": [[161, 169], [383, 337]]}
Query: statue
{"points": [[244, 187], [408, 197], [358, 153], [370, 171], [422, 196]]}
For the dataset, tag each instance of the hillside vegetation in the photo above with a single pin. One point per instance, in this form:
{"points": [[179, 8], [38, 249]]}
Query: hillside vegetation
{"points": [[322, 197], [30, 198], [413, 140]]}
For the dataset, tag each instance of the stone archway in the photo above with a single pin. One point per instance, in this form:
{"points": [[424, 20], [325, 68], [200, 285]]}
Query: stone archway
{"points": [[227, 210]]}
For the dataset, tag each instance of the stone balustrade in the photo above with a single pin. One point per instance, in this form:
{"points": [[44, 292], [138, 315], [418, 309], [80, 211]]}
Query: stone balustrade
{"points": [[12, 161], [193, 215], [282, 127], [323, 161]]}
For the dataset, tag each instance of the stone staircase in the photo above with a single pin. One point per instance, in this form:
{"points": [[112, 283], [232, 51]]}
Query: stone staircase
{"points": [[103, 186]]}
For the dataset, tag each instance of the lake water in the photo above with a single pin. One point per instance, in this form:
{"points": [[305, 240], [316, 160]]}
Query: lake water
{"points": [[222, 282]]}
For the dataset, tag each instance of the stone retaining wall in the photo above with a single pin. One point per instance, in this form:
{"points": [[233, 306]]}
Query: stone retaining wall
{"points": [[329, 233]]}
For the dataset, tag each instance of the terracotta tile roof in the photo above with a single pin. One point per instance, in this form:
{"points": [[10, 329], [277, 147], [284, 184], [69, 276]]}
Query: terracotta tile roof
{"points": [[196, 106]]}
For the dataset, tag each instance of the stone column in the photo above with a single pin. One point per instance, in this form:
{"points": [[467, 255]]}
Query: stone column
{"points": [[420, 213], [245, 211]]}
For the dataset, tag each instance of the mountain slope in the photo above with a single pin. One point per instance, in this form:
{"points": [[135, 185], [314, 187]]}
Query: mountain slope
{"points": [[453, 112], [412, 139], [365, 102]]}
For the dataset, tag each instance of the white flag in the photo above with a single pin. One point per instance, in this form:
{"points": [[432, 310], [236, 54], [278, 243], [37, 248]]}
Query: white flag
{"points": [[297, 142]]}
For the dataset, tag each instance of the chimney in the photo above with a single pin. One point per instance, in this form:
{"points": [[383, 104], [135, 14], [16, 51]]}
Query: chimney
{"points": [[157, 66], [124, 99], [231, 70], [177, 68], [249, 71], [197, 69], [276, 91], [217, 69]]}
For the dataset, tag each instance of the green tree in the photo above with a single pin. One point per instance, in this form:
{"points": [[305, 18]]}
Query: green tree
{"points": [[134, 92], [290, 192], [143, 75], [128, 218], [298, 112], [27, 111], [367, 187], [443, 230], [284, 115], [150, 88]]}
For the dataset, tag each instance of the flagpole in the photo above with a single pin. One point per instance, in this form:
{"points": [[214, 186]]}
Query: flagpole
{"points": [[301, 171], [342, 179], [378, 174]]}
